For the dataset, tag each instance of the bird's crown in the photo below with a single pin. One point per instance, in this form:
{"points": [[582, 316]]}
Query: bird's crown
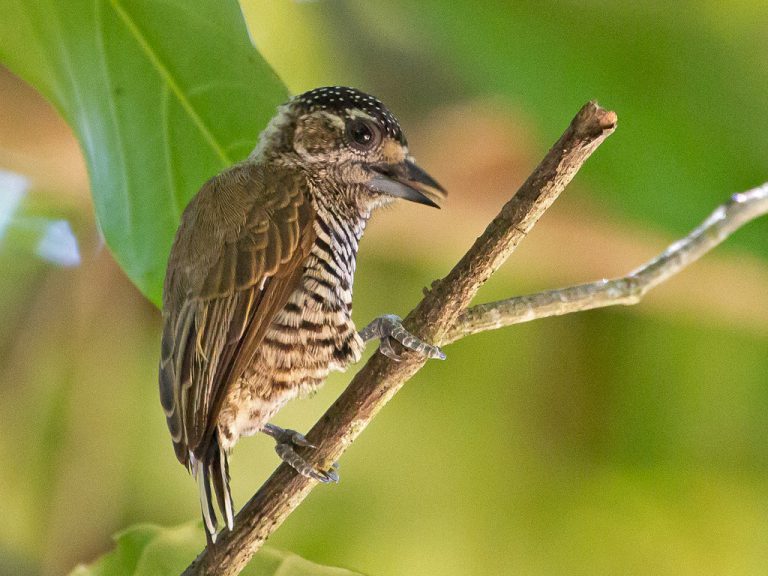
{"points": [[349, 103]]}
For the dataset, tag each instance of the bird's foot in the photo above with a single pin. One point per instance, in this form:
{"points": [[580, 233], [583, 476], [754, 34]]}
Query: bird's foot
{"points": [[287, 440], [391, 326]]}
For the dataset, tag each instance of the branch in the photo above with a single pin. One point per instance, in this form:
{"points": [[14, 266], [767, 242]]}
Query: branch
{"points": [[380, 379], [724, 221]]}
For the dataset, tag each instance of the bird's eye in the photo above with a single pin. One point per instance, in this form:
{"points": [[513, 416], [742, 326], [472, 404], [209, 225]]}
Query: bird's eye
{"points": [[363, 134]]}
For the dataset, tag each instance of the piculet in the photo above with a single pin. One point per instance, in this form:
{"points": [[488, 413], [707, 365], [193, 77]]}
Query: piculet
{"points": [[257, 300]]}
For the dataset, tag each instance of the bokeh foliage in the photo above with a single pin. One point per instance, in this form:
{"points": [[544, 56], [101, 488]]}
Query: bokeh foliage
{"points": [[615, 441], [147, 550]]}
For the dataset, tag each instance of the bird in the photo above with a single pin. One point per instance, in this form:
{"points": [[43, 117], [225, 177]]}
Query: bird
{"points": [[257, 298]]}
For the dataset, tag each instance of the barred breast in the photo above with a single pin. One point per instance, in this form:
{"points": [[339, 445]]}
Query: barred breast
{"points": [[312, 335]]}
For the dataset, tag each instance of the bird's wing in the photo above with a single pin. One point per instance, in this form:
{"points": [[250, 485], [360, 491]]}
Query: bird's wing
{"points": [[238, 255]]}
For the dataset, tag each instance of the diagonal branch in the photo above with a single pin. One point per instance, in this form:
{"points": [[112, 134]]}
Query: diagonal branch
{"points": [[726, 219], [380, 379]]}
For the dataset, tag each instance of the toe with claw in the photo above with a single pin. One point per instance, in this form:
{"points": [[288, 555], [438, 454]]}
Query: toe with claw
{"points": [[286, 442], [391, 326]]}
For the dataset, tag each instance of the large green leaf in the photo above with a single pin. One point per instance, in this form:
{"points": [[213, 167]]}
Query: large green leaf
{"points": [[161, 94], [148, 550]]}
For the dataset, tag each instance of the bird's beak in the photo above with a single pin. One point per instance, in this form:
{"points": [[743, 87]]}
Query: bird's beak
{"points": [[406, 180]]}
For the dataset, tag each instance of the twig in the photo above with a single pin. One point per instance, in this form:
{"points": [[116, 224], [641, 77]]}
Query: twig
{"points": [[726, 219], [380, 379]]}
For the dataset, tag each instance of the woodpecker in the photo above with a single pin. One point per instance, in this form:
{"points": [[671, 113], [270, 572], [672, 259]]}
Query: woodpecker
{"points": [[257, 300]]}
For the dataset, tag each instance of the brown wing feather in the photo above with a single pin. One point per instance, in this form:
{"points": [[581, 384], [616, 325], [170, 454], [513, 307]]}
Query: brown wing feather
{"points": [[238, 255]]}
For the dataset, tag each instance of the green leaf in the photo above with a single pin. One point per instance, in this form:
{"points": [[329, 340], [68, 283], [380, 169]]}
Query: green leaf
{"points": [[162, 95], [148, 550]]}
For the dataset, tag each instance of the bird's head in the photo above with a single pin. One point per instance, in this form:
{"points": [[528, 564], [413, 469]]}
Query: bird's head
{"points": [[348, 138]]}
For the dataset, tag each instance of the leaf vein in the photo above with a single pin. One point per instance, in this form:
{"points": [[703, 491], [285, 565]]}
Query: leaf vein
{"points": [[171, 81]]}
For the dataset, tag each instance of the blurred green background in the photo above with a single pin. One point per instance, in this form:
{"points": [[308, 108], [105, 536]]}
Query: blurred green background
{"points": [[623, 441]]}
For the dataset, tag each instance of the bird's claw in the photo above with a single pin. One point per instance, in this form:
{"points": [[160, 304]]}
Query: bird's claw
{"points": [[391, 326], [385, 347], [298, 440], [287, 440], [288, 454]]}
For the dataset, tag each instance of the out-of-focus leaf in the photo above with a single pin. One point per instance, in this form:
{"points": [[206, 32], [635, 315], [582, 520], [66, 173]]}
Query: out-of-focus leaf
{"points": [[147, 550], [161, 95]]}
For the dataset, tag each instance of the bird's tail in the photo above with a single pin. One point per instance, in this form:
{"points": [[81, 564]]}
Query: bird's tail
{"points": [[213, 470]]}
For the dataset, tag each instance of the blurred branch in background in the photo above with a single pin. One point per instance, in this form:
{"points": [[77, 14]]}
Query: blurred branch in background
{"points": [[380, 379], [726, 219]]}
